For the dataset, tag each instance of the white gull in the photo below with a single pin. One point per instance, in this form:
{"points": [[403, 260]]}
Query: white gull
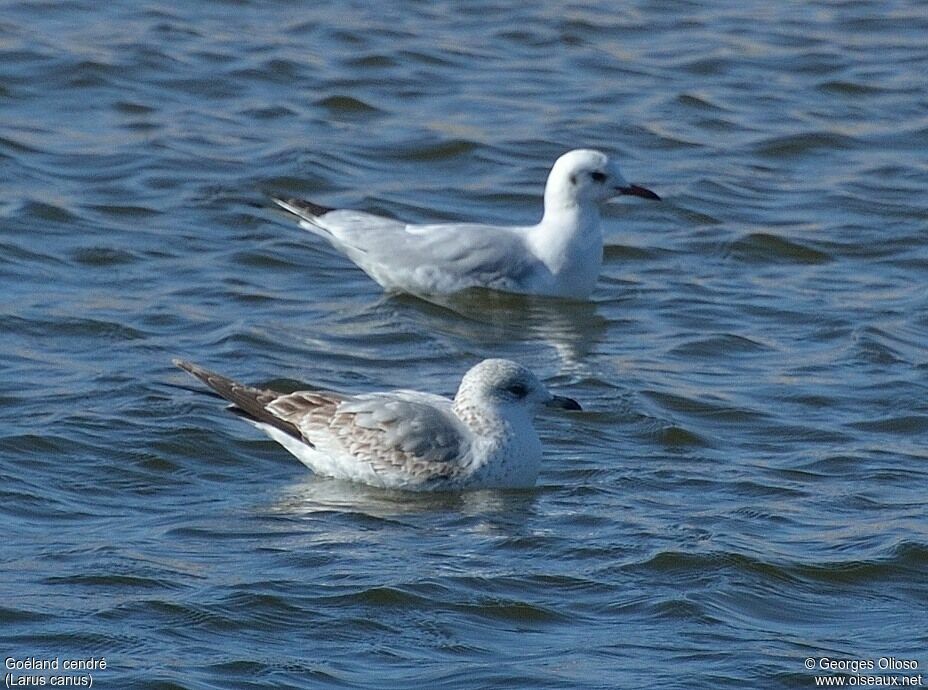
{"points": [[404, 439], [558, 257]]}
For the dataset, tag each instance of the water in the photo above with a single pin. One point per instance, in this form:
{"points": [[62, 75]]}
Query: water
{"points": [[746, 487]]}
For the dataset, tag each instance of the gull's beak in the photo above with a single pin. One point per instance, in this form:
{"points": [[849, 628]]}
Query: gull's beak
{"points": [[638, 190], [563, 403]]}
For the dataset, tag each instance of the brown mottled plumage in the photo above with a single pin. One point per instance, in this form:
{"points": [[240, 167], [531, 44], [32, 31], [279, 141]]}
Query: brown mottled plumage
{"points": [[407, 439]]}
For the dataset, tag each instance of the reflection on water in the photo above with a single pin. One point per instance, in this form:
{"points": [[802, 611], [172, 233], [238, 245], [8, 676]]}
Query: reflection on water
{"points": [[314, 494], [572, 329]]}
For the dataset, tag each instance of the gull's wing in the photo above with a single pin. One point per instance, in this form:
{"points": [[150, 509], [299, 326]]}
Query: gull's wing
{"points": [[433, 258], [334, 223], [412, 437], [253, 403], [408, 435]]}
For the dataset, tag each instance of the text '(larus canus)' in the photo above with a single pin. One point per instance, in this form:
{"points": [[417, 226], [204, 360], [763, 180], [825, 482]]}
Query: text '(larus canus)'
{"points": [[561, 256], [404, 439]]}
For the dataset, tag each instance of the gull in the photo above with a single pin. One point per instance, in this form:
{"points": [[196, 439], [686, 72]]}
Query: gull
{"points": [[405, 439], [560, 256]]}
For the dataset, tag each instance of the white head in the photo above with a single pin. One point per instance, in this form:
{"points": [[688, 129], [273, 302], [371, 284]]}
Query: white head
{"points": [[584, 176], [503, 383]]}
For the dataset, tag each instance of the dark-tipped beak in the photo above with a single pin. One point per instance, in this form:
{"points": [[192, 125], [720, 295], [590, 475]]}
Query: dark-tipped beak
{"points": [[638, 190], [564, 403]]}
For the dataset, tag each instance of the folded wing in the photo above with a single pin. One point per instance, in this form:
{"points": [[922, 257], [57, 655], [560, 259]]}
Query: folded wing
{"points": [[406, 436], [424, 258]]}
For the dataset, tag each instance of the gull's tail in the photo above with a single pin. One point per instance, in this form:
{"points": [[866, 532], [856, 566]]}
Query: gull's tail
{"points": [[302, 209]]}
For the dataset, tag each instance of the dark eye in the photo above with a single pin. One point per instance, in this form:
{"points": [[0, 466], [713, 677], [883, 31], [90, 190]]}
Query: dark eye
{"points": [[519, 390], [598, 176]]}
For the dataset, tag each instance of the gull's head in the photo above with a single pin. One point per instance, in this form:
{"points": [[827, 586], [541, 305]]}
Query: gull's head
{"points": [[584, 176], [504, 383]]}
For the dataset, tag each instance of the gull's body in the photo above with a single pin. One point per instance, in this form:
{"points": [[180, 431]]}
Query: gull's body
{"points": [[403, 439], [560, 256]]}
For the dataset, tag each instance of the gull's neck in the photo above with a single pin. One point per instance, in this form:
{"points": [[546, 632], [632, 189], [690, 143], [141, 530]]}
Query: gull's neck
{"points": [[569, 241], [570, 216], [505, 447]]}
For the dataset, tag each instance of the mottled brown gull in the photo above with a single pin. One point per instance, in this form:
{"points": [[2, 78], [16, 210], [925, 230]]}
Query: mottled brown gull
{"points": [[404, 439]]}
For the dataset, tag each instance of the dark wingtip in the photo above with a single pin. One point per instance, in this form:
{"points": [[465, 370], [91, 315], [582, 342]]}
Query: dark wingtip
{"points": [[217, 382], [300, 207], [248, 402], [189, 367]]}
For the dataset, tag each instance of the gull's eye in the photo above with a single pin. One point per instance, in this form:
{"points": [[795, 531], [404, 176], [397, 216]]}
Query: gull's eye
{"points": [[518, 389], [598, 176]]}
